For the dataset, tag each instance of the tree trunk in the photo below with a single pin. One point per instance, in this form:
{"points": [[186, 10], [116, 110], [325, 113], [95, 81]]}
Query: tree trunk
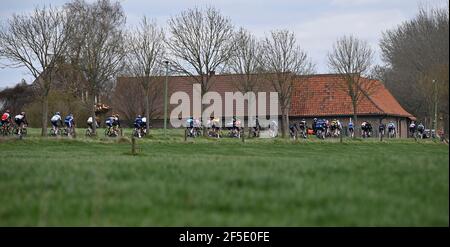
{"points": [[147, 111], [284, 123], [355, 119], [205, 132], [94, 125], [44, 115]]}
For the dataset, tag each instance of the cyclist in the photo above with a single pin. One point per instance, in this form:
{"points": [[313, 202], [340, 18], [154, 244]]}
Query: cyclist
{"points": [[116, 122], [56, 122], [109, 123], [412, 129], [381, 129], [69, 121], [350, 128], [20, 121], [391, 129], [214, 125], [144, 125], [321, 126], [90, 121], [6, 119], [314, 124], [190, 126], [293, 129], [273, 128], [366, 128], [334, 127], [138, 125], [303, 128], [420, 130]]}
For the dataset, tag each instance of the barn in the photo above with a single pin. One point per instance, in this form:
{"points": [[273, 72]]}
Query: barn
{"points": [[313, 96]]}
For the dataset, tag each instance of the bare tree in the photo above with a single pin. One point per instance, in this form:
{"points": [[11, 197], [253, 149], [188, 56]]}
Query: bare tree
{"points": [[244, 61], [97, 44], [200, 44], [36, 41], [129, 100], [285, 63], [244, 65], [416, 53], [352, 58], [144, 59]]}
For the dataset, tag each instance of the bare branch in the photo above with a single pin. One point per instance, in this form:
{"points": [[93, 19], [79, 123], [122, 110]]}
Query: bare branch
{"points": [[199, 43]]}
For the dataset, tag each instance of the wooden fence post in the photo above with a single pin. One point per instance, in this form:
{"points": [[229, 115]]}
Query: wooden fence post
{"points": [[133, 145]]}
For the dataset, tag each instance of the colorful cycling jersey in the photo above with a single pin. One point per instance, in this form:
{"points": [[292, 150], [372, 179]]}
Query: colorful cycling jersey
{"points": [[320, 124], [19, 117], [109, 121], [391, 126], [6, 116], [420, 127], [116, 121], [89, 120], [138, 122], [350, 125], [55, 118], [190, 123], [69, 121]]}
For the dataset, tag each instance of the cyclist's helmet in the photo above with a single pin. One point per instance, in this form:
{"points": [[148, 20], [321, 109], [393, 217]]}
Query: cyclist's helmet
{"points": [[22, 113], [8, 111], [139, 116], [57, 113]]}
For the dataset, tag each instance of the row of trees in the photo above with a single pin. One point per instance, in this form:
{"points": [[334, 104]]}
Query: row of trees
{"points": [[416, 53], [201, 42]]}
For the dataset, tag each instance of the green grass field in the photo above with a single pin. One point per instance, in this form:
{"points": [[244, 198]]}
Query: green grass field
{"points": [[209, 182]]}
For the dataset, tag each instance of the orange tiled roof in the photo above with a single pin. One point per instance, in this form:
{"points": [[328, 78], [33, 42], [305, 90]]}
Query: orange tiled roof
{"points": [[325, 95], [315, 95]]}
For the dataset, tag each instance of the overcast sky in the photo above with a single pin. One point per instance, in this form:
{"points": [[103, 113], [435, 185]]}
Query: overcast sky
{"points": [[317, 24]]}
